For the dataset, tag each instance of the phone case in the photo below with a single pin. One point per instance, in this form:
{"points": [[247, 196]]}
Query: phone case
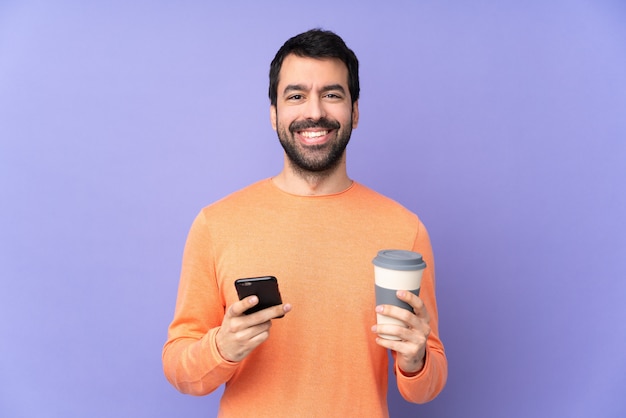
{"points": [[265, 288]]}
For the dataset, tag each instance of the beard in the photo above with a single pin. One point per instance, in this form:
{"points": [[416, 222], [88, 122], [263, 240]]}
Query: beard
{"points": [[315, 159]]}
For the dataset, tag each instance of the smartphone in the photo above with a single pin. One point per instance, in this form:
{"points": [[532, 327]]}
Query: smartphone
{"points": [[265, 288]]}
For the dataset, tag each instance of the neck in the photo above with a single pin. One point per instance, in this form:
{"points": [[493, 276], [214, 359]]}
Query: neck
{"points": [[305, 183]]}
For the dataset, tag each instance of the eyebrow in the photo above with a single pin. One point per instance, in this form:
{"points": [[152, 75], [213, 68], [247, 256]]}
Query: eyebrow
{"points": [[299, 87]]}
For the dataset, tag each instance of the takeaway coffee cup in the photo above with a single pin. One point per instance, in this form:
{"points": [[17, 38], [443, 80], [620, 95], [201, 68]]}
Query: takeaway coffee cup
{"points": [[396, 270]]}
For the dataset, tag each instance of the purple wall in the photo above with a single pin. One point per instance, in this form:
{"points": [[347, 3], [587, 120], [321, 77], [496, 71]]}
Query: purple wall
{"points": [[503, 126]]}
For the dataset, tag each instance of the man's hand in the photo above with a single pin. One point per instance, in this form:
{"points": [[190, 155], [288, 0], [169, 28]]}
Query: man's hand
{"points": [[240, 334], [411, 349]]}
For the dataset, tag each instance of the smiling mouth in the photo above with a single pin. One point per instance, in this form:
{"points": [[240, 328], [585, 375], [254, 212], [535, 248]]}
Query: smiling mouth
{"points": [[314, 132], [317, 137], [313, 135]]}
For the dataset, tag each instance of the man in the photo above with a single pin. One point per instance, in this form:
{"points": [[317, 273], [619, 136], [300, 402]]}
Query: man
{"points": [[317, 231]]}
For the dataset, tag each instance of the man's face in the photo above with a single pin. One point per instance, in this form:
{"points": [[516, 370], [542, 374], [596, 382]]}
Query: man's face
{"points": [[314, 115]]}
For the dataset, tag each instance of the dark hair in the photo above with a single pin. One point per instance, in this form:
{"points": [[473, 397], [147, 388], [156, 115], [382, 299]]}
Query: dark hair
{"points": [[316, 43]]}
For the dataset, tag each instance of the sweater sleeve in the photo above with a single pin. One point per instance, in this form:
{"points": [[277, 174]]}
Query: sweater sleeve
{"points": [[427, 384], [191, 360]]}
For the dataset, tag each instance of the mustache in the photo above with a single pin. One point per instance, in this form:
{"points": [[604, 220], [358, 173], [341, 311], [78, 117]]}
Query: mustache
{"points": [[323, 123]]}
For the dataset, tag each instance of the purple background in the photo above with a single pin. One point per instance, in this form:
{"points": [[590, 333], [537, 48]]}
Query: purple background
{"points": [[503, 124]]}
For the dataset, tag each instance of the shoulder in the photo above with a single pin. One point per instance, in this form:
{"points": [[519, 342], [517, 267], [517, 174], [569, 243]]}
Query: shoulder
{"points": [[383, 212], [378, 202], [241, 203], [258, 191]]}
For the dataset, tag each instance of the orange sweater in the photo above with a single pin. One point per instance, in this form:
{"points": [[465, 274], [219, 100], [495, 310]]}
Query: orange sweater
{"points": [[321, 359]]}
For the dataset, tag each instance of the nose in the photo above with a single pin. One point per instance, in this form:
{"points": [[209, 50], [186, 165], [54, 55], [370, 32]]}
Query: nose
{"points": [[314, 109]]}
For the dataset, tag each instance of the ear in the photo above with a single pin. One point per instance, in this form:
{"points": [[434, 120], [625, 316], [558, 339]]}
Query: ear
{"points": [[273, 116], [355, 114]]}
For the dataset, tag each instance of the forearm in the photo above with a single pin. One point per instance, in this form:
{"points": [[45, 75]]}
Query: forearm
{"points": [[425, 385], [430, 381], [191, 361]]}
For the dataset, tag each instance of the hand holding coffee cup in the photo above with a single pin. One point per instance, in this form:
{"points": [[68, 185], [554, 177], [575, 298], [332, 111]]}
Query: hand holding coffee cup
{"points": [[396, 270]]}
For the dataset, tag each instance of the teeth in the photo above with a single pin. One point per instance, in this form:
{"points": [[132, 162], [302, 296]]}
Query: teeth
{"points": [[317, 134]]}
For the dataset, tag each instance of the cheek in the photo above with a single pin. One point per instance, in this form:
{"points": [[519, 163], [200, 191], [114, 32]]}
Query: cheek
{"points": [[347, 119], [284, 118]]}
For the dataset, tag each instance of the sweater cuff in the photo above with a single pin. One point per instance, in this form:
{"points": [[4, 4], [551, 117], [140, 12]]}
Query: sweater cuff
{"points": [[217, 357]]}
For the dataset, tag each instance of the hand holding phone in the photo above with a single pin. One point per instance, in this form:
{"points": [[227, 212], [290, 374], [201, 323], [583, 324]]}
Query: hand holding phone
{"points": [[240, 334], [265, 288]]}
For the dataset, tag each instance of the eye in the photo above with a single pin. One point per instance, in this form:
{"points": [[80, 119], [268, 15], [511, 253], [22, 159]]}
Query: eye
{"points": [[295, 97], [333, 96]]}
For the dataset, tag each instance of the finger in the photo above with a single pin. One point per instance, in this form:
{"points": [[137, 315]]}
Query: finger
{"points": [[238, 308], [410, 298], [411, 341], [277, 311], [389, 332], [416, 335], [406, 316], [273, 312], [255, 332], [416, 303]]}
